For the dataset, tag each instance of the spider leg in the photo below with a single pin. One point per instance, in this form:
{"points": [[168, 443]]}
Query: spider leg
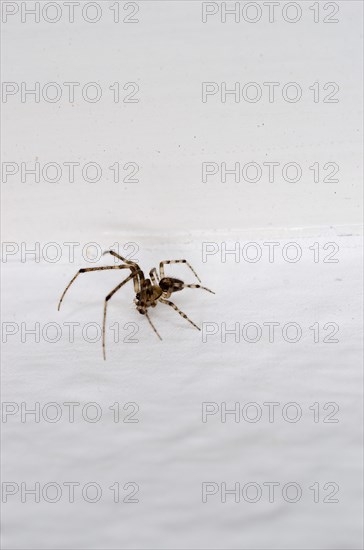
{"points": [[125, 260], [178, 311], [153, 274], [161, 267], [151, 324], [131, 276], [199, 286], [138, 278], [85, 270], [133, 265]]}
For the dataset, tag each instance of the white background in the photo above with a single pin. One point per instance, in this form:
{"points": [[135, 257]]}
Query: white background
{"points": [[169, 213]]}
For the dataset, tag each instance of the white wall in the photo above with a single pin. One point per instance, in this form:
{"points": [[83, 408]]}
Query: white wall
{"points": [[169, 213], [171, 132]]}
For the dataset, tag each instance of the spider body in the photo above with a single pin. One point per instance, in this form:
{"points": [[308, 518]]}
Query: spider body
{"points": [[148, 296], [148, 291]]}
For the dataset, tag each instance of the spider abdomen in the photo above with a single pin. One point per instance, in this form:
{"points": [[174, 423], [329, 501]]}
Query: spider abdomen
{"points": [[169, 284]]}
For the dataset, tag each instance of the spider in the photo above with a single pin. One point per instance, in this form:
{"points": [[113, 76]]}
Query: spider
{"points": [[148, 292]]}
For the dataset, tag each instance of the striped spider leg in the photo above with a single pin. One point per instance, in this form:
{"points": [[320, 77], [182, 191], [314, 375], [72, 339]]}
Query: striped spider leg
{"points": [[138, 277], [168, 285], [136, 274]]}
